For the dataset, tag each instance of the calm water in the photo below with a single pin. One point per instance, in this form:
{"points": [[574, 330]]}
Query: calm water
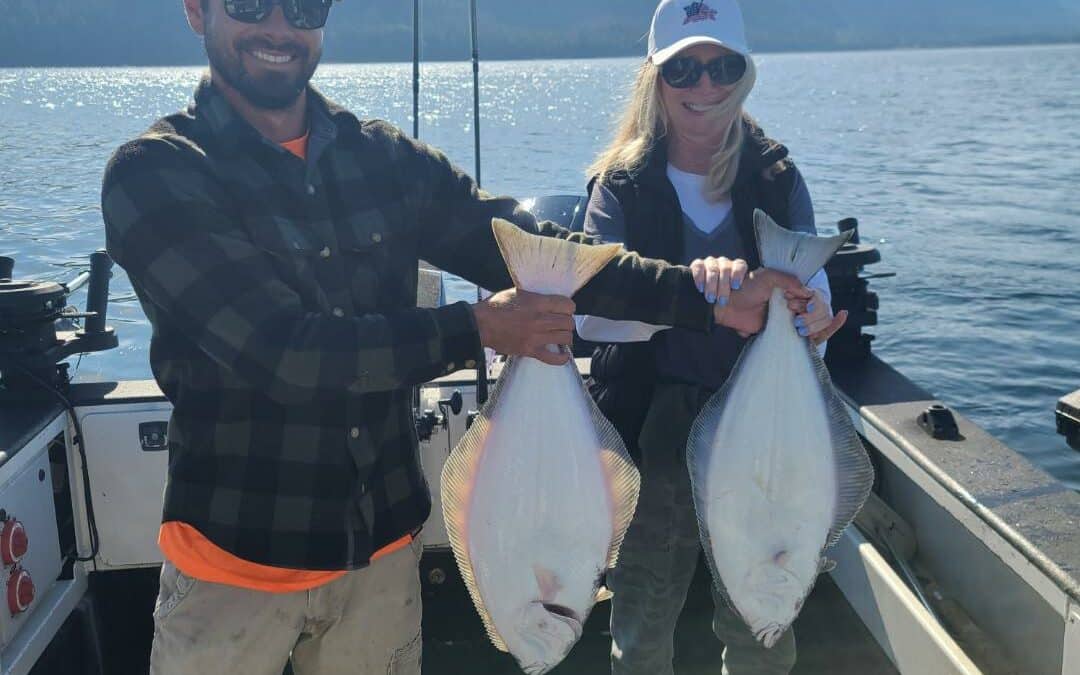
{"points": [[961, 165]]}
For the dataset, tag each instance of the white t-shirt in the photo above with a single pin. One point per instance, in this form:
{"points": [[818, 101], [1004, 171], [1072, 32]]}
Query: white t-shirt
{"points": [[705, 215]]}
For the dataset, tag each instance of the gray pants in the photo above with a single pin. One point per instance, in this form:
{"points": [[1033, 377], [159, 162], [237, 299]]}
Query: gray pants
{"points": [[660, 555], [364, 623]]}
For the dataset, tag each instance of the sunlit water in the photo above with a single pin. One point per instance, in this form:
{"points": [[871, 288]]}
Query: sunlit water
{"points": [[961, 166]]}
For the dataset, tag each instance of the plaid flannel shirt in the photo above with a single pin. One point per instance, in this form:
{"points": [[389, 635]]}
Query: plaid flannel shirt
{"points": [[282, 295]]}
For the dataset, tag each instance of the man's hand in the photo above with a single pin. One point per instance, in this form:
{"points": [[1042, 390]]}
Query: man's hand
{"points": [[748, 306], [520, 323]]}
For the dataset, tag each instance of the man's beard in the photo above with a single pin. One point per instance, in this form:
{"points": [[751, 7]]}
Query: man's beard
{"points": [[271, 90]]}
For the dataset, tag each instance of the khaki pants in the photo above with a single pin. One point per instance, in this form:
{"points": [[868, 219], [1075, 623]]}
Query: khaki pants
{"points": [[365, 623], [660, 555]]}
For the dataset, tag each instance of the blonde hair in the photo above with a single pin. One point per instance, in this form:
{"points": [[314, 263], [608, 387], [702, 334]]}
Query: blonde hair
{"points": [[645, 122]]}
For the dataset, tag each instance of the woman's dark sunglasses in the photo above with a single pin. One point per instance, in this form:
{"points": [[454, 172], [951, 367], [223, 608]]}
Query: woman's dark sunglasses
{"points": [[683, 72], [302, 14]]}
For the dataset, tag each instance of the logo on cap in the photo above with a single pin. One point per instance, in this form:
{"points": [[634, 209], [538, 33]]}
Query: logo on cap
{"points": [[699, 11]]}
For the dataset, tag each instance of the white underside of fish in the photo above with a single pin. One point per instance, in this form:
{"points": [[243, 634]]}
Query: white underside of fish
{"points": [[538, 494], [776, 467]]}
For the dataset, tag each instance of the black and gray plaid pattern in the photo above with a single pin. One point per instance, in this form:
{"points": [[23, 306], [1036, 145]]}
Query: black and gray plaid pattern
{"points": [[282, 295]]}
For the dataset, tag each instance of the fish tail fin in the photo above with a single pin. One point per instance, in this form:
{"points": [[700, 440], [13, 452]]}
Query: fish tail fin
{"points": [[547, 264], [799, 254]]}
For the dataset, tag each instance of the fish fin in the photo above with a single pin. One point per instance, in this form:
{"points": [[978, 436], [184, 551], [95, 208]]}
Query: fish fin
{"points": [[457, 476], [622, 473], [855, 473], [548, 264], [796, 253]]}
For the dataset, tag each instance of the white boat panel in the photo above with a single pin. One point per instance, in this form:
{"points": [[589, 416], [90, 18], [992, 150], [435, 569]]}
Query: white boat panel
{"points": [[911, 638], [53, 609], [127, 483], [433, 453], [1070, 659], [26, 495]]}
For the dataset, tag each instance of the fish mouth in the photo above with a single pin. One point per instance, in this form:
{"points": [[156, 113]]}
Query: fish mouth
{"points": [[567, 616]]}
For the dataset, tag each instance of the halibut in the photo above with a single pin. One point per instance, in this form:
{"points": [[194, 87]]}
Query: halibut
{"points": [[538, 494], [777, 469]]}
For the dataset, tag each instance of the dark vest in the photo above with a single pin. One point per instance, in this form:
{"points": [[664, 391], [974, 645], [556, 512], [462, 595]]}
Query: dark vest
{"points": [[623, 374]]}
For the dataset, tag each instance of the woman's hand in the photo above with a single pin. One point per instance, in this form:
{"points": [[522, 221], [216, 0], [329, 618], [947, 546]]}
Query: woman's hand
{"points": [[717, 277], [813, 317]]}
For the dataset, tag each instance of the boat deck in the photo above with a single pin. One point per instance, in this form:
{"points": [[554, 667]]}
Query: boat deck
{"points": [[831, 639]]}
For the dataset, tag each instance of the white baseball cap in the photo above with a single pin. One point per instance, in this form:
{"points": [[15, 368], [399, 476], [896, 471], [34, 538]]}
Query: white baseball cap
{"points": [[678, 24]]}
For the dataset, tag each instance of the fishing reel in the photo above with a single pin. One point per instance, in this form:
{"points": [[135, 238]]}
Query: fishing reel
{"points": [[34, 329], [427, 421], [849, 285]]}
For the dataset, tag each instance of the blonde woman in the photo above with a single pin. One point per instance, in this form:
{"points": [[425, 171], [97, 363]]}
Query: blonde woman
{"points": [[680, 182]]}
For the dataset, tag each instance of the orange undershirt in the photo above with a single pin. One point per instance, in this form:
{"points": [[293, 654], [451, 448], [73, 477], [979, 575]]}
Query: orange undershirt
{"points": [[297, 146], [198, 557]]}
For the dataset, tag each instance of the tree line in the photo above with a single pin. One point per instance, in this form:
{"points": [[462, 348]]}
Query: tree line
{"points": [[123, 32]]}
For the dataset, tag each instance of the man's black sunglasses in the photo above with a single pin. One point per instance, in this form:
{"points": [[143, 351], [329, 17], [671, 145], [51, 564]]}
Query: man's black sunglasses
{"points": [[302, 14], [683, 72]]}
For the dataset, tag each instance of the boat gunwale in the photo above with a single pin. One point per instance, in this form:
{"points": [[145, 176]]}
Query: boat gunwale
{"points": [[905, 399]]}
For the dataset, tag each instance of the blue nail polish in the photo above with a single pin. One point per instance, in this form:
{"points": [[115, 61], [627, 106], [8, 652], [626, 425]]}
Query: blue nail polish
{"points": [[701, 287], [736, 284], [723, 301], [810, 307], [799, 323], [710, 298], [803, 332]]}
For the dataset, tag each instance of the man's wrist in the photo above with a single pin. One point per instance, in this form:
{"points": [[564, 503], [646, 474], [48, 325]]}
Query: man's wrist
{"points": [[458, 335], [480, 311]]}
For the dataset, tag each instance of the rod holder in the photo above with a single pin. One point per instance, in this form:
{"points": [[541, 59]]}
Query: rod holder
{"points": [[850, 225], [97, 295]]}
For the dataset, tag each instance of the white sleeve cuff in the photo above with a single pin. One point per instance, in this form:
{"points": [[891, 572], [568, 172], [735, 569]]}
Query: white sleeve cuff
{"points": [[820, 282], [599, 329]]}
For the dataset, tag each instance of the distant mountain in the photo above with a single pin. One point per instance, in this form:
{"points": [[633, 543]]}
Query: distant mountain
{"points": [[149, 32]]}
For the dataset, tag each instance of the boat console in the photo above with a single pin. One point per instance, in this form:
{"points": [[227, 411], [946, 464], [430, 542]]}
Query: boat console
{"points": [[40, 582]]}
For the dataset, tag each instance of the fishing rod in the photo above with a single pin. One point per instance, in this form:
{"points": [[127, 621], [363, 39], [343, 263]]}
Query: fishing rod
{"points": [[476, 87], [481, 360], [416, 114], [416, 70]]}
